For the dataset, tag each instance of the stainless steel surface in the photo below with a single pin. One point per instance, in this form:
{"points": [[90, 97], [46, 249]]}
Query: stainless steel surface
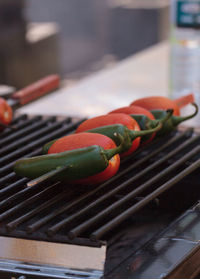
{"points": [[172, 254], [21, 270], [40, 252]]}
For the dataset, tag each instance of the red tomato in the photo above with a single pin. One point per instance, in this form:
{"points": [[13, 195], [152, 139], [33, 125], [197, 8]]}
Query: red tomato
{"points": [[81, 140], [157, 102], [134, 110], [137, 110], [109, 119], [5, 113]]}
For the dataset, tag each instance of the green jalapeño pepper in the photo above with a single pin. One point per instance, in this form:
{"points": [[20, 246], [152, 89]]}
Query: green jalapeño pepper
{"points": [[146, 123], [112, 131], [46, 147], [173, 121], [78, 163]]}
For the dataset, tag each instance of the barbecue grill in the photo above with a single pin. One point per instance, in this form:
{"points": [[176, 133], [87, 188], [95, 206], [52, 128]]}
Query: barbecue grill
{"points": [[146, 218]]}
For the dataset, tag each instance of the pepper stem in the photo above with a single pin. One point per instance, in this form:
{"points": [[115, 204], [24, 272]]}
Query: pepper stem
{"points": [[178, 119], [169, 113], [125, 144], [135, 134]]}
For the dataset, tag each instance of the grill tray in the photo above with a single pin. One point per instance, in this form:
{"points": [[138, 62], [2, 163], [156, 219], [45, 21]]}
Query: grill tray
{"points": [[80, 215]]}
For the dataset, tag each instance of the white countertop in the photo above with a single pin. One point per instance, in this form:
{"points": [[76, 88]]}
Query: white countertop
{"points": [[140, 75]]}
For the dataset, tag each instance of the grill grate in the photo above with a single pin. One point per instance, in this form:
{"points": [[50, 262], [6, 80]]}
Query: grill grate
{"points": [[65, 213]]}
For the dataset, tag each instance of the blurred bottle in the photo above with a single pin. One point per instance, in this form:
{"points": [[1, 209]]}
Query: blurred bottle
{"points": [[185, 48]]}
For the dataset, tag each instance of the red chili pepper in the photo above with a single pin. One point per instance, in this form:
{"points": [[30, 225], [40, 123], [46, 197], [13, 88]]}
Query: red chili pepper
{"points": [[109, 119], [160, 102], [184, 100], [136, 110], [6, 113], [75, 141]]}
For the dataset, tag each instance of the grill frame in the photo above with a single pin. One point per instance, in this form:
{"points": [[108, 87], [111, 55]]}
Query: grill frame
{"points": [[16, 269], [57, 126]]}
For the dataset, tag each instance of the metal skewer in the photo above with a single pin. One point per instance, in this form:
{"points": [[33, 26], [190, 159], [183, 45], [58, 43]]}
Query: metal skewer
{"points": [[47, 175]]}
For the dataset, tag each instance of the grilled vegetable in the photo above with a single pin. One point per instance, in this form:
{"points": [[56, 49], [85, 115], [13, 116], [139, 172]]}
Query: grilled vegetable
{"points": [[184, 100], [116, 118], [173, 121], [46, 147], [131, 135], [160, 102], [6, 113], [144, 118], [112, 131], [91, 159], [134, 110]]}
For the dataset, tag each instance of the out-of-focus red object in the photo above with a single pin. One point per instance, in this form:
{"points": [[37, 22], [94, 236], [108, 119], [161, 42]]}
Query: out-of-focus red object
{"points": [[26, 95], [37, 89], [6, 113], [160, 102]]}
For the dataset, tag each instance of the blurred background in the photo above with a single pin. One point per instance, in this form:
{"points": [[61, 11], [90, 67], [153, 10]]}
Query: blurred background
{"points": [[74, 37]]}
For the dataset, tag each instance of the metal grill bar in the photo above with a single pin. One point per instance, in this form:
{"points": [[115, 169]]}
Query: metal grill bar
{"points": [[15, 121], [57, 212], [164, 143], [21, 194], [22, 139], [18, 119], [33, 198], [152, 154], [14, 186], [12, 225], [9, 167], [20, 130], [76, 231], [47, 218], [101, 231], [69, 210], [56, 227], [29, 139], [7, 178], [25, 151]]}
